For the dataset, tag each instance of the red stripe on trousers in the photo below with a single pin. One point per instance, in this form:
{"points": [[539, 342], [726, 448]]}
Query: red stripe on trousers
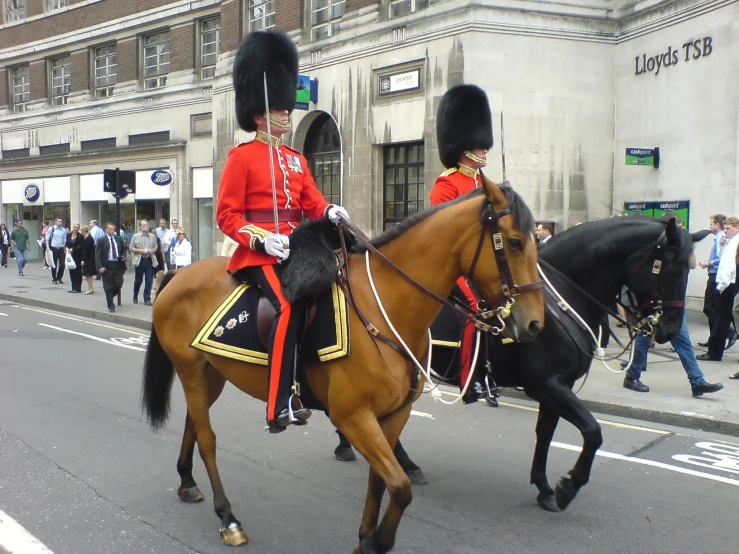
{"points": [[468, 336], [278, 348]]}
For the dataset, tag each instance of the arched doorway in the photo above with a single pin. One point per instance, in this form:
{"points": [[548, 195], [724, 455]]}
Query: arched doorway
{"points": [[322, 149]]}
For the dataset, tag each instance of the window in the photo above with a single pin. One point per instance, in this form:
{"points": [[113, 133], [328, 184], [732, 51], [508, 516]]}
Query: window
{"points": [[326, 17], [210, 44], [403, 182], [404, 7], [15, 10], [261, 15], [201, 125], [61, 81], [56, 4], [21, 88], [106, 70], [156, 59], [323, 151]]}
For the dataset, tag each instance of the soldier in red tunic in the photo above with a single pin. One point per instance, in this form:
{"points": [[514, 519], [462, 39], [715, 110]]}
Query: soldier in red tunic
{"points": [[464, 131], [245, 202]]}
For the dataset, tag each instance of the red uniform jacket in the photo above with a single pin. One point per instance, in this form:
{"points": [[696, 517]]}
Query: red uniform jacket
{"points": [[246, 184], [453, 183]]}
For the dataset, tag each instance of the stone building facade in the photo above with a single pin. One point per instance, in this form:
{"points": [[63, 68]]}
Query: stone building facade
{"points": [[572, 85]]}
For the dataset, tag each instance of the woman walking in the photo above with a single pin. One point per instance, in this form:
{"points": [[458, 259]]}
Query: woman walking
{"points": [[44, 231], [160, 264], [74, 247], [182, 249], [4, 243], [89, 271]]}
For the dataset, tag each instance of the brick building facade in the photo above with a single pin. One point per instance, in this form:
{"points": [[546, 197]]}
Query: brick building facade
{"points": [[144, 90]]}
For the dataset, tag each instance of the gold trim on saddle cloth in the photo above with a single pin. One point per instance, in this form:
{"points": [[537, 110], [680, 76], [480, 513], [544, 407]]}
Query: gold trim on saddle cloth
{"points": [[211, 328]]}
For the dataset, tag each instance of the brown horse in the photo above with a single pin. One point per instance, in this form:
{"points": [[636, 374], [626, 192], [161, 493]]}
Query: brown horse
{"points": [[369, 393]]}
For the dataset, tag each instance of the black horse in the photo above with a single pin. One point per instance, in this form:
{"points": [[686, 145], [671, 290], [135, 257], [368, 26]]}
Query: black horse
{"points": [[648, 256]]}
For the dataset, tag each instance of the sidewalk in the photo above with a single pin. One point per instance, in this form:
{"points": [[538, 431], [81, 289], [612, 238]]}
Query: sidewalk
{"points": [[669, 402]]}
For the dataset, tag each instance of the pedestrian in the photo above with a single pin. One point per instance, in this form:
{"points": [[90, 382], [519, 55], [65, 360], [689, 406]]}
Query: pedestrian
{"points": [[161, 233], [42, 243], [544, 232], [21, 245], [159, 274], [97, 233], [710, 297], [74, 248], [245, 203], [725, 285], [684, 349], [56, 240], [110, 258], [170, 238], [88, 258], [143, 249], [4, 243], [182, 250]]}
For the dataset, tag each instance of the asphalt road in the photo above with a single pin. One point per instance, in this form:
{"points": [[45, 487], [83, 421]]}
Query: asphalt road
{"points": [[82, 472]]}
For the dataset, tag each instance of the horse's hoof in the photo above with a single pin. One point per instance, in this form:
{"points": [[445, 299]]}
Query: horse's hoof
{"points": [[491, 401], [234, 535], [565, 492], [345, 454], [364, 547], [416, 476], [191, 495], [548, 502]]}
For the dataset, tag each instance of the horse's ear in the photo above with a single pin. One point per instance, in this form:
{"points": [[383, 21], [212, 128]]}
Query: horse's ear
{"points": [[671, 232], [699, 235], [492, 191]]}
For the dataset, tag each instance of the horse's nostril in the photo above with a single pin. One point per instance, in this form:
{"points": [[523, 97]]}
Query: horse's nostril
{"points": [[534, 327]]}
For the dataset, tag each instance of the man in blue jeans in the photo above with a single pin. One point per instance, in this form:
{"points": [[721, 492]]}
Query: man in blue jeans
{"points": [[684, 348]]}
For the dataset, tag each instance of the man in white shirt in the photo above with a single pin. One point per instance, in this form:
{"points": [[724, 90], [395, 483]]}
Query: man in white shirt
{"points": [[168, 241], [725, 284]]}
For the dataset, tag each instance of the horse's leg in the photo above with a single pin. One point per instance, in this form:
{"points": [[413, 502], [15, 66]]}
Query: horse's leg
{"points": [[189, 491], [545, 427], [560, 399], [375, 442], [195, 385], [344, 452], [413, 472]]}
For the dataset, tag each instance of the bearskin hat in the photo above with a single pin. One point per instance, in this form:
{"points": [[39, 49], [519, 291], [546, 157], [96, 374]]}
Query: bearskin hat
{"points": [[463, 122], [262, 51]]}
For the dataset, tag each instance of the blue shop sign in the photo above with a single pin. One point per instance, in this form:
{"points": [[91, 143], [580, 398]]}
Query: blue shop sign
{"points": [[32, 193], [161, 178]]}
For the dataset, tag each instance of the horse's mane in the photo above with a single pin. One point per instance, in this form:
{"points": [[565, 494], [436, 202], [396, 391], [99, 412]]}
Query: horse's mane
{"points": [[522, 217], [594, 236]]}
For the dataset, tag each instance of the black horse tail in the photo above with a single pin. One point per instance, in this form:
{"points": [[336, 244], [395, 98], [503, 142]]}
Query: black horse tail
{"points": [[156, 386]]}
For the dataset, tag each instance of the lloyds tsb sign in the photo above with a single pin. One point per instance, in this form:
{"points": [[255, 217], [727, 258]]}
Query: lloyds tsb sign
{"points": [[691, 50]]}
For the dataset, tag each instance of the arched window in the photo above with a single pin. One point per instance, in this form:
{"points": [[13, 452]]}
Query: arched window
{"points": [[323, 152]]}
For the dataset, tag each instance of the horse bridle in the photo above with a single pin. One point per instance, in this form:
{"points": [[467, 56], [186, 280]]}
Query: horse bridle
{"points": [[655, 305], [499, 305]]}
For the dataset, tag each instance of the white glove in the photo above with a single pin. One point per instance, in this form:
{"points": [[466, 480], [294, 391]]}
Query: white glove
{"points": [[278, 246], [335, 211]]}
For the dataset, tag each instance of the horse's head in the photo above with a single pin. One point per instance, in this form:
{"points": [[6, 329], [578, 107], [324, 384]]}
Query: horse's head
{"points": [[658, 277], [500, 257]]}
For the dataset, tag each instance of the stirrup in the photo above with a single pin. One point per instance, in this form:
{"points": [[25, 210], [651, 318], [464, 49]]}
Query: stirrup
{"points": [[299, 415], [493, 392]]}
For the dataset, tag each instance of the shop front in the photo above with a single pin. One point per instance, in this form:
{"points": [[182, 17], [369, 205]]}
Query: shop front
{"points": [[35, 201]]}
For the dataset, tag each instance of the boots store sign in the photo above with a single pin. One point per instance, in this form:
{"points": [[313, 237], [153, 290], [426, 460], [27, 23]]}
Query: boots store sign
{"points": [[691, 50]]}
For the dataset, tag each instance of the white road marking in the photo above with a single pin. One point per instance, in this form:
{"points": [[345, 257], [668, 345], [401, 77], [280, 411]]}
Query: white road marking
{"points": [[720, 456], [1, 313], [421, 414], [89, 322], [14, 538], [601, 421], [92, 337], [652, 463]]}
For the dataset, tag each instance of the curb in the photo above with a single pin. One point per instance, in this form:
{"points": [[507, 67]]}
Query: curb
{"points": [[654, 416], [93, 314]]}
